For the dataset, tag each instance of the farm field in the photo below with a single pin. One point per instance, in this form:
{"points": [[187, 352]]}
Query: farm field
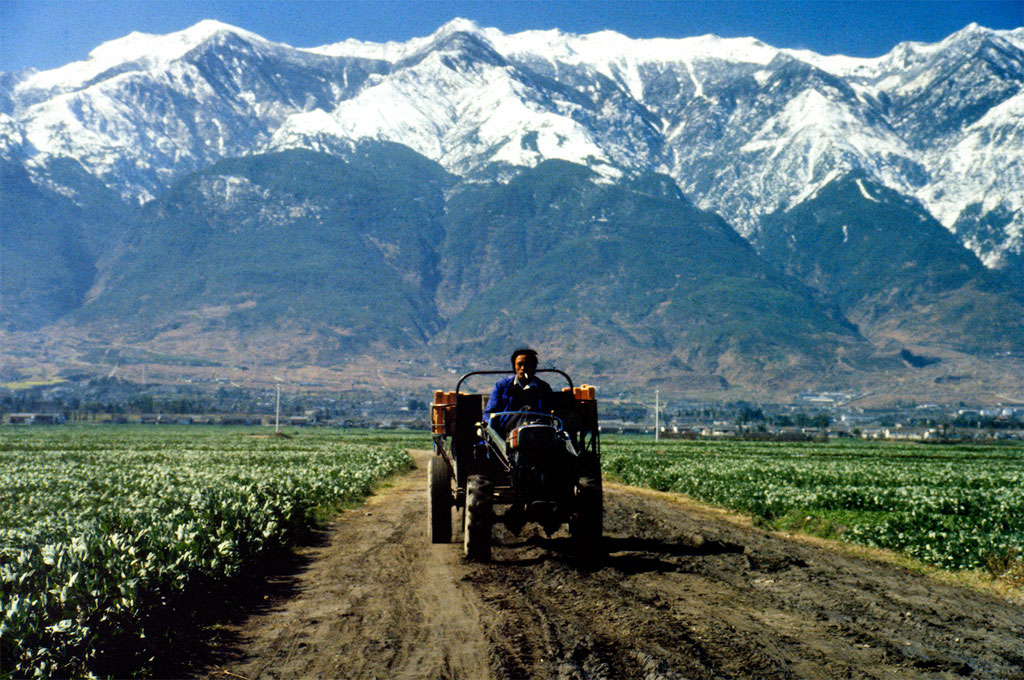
{"points": [[685, 591], [958, 506], [113, 538]]}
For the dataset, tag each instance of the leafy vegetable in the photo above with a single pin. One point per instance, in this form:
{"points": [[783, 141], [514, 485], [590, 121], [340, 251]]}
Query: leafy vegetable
{"points": [[952, 506], [113, 538]]}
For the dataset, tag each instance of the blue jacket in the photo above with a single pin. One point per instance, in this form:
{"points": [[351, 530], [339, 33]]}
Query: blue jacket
{"points": [[508, 395]]}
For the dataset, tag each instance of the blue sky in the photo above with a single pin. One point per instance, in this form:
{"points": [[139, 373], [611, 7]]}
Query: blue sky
{"points": [[48, 33]]}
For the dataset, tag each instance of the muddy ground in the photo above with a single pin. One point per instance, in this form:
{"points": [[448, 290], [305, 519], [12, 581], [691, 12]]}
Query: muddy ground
{"points": [[685, 592]]}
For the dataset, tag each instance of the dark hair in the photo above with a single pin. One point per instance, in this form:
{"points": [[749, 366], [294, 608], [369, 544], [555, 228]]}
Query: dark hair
{"points": [[524, 350]]}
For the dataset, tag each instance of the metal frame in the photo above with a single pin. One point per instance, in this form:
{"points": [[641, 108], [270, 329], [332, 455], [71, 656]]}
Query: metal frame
{"points": [[584, 436], [507, 371]]}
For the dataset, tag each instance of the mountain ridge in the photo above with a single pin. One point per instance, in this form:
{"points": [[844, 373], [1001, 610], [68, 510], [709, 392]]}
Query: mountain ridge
{"points": [[156, 159], [706, 64]]}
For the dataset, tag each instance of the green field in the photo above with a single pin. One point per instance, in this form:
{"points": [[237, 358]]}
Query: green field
{"points": [[113, 539], [955, 506]]}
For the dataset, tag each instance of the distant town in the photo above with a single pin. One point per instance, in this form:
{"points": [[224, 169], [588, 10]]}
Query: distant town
{"points": [[810, 416]]}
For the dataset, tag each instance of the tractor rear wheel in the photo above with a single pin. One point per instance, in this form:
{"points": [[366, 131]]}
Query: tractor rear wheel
{"points": [[439, 500], [478, 518], [586, 526]]}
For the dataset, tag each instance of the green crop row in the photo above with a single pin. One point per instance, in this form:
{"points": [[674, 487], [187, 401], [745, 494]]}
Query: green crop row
{"points": [[957, 507], [113, 538]]}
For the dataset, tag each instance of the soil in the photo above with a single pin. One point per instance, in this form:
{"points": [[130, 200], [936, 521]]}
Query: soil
{"points": [[685, 592]]}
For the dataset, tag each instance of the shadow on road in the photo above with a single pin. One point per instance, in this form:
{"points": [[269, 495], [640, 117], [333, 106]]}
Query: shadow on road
{"points": [[630, 555], [213, 645]]}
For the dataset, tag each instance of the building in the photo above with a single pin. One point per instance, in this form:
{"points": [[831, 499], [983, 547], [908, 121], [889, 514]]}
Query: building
{"points": [[36, 419]]}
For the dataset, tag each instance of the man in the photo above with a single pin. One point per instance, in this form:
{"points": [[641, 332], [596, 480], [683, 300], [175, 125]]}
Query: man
{"points": [[523, 391]]}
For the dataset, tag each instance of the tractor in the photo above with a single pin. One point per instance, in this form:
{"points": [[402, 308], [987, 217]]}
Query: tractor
{"points": [[545, 470]]}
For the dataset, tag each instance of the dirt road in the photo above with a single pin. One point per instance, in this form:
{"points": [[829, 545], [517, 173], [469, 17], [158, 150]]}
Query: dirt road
{"points": [[685, 592]]}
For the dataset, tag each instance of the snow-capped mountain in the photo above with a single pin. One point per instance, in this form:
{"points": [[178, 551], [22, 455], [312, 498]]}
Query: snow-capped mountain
{"points": [[745, 129], [144, 110], [215, 199]]}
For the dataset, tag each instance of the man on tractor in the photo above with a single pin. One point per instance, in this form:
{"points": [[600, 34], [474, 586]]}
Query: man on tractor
{"points": [[523, 391], [531, 450]]}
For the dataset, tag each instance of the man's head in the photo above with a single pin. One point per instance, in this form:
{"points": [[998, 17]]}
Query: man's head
{"points": [[524, 362]]}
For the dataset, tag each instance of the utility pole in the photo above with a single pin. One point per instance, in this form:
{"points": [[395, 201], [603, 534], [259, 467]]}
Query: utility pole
{"points": [[277, 410], [657, 413]]}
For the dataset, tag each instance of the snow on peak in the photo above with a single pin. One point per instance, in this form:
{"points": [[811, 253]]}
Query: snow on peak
{"points": [[467, 113], [973, 28], [457, 25], [396, 51], [837, 64], [621, 58], [463, 118], [164, 48], [1015, 36], [609, 46], [903, 56], [602, 48], [149, 49]]}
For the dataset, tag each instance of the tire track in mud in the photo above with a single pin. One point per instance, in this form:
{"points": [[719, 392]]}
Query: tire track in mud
{"points": [[684, 592]]}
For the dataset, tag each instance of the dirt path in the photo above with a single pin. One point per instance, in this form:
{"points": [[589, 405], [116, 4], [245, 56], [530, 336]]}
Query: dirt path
{"points": [[683, 593]]}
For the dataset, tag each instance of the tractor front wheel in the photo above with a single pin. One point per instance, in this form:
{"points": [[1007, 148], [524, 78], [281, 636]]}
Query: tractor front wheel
{"points": [[478, 518], [586, 526], [439, 501]]}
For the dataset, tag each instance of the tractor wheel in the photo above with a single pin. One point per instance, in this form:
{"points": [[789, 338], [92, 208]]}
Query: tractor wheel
{"points": [[478, 519], [586, 526], [439, 501]]}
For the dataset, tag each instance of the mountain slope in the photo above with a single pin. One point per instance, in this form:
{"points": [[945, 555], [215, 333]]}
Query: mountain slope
{"points": [[461, 103], [628, 275], [893, 270], [345, 251], [745, 129], [52, 244], [363, 202], [366, 254]]}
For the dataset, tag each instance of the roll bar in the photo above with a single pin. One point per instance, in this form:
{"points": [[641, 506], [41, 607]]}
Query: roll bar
{"points": [[506, 372]]}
